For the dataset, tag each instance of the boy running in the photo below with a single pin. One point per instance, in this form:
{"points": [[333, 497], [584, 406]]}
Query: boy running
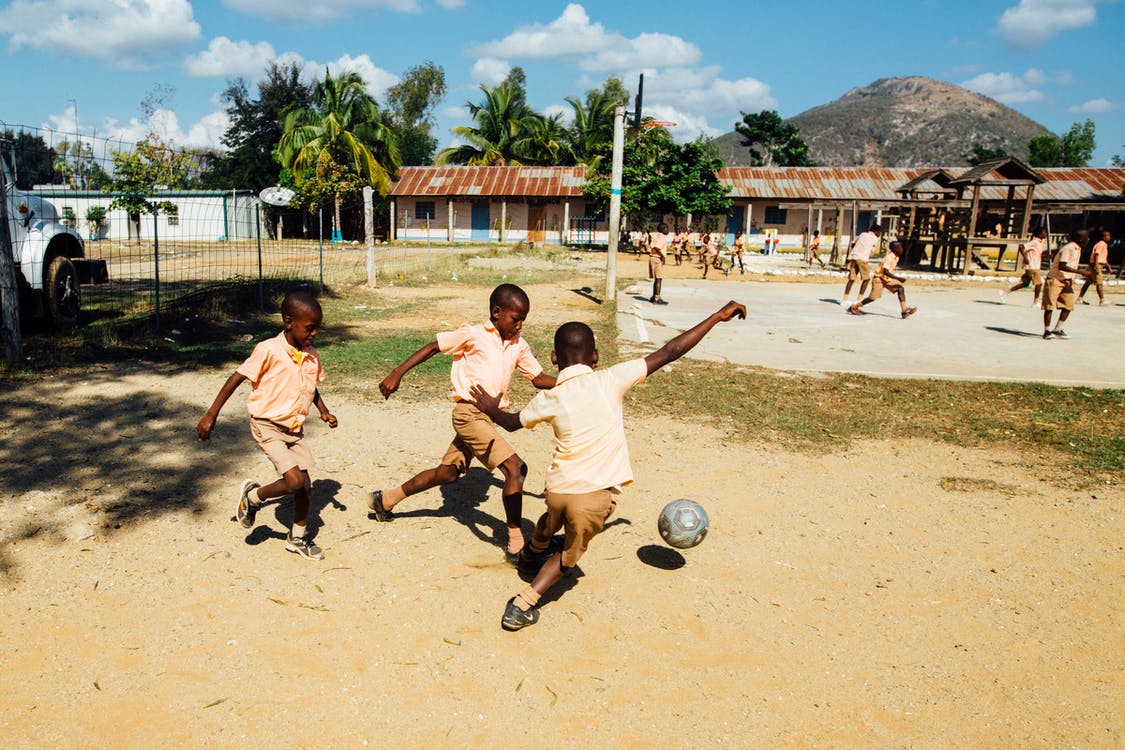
{"points": [[736, 249], [1032, 254], [813, 253], [886, 279], [590, 461], [1099, 256], [657, 256], [484, 354], [1059, 291], [283, 372], [858, 257]]}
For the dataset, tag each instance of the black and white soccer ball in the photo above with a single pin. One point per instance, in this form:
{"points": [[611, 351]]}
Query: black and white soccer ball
{"points": [[683, 523]]}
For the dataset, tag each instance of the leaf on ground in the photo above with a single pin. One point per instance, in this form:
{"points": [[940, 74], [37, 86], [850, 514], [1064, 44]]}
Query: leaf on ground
{"points": [[451, 642], [277, 601], [317, 608], [519, 685], [212, 704], [554, 695], [97, 686]]}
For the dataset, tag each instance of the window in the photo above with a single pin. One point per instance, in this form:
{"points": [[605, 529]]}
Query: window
{"points": [[424, 210], [595, 213], [776, 215]]}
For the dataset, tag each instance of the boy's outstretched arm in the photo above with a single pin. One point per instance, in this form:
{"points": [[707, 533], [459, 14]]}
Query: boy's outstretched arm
{"points": [[686, 341], [490, 405], [391, 382], [542, 381], [207, 423]]}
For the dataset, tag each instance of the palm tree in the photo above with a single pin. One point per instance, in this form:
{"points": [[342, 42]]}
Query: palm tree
{"points": [[498, 122], [591, 133], [543, 141], [343, 129]]}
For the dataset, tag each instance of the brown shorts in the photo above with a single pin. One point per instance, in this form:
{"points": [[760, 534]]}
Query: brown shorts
{"points": [[879, 284], [1032, 276], [581, 516], [1058, 294], [655, 267], [858, 269], [284, 448], [476, 437]]}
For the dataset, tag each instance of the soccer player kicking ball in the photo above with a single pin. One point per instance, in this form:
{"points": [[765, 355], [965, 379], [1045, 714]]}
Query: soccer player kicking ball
{"points": [[886, 279]]}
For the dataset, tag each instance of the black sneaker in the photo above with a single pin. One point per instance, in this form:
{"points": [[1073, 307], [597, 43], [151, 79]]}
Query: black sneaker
{"points": [[1060, 334], [515, 618], [304, 547], [246, 510], [375, 505], [1046, 334]]}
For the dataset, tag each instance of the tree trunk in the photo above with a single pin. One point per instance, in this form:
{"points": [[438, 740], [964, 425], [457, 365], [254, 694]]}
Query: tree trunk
{"points": [[336, 217], [9, 289]]}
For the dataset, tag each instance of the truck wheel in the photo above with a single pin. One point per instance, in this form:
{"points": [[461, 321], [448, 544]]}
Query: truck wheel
{"points": [[63, 298]]}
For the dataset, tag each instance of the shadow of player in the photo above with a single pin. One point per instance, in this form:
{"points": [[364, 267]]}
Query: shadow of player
{"points": [[322, 494], [1011, 331]]}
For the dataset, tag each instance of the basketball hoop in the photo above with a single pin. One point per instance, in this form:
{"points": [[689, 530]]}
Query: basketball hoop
{"points": [[658, 124]]}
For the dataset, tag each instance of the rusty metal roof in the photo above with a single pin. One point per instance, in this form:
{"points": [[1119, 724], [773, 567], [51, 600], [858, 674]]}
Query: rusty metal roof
{"points": [[1085, 184], [536, 182], [1003, 171], [817, 183]]}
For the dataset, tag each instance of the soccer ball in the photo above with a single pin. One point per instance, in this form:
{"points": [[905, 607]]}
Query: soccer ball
{"points": [[683, 523]]}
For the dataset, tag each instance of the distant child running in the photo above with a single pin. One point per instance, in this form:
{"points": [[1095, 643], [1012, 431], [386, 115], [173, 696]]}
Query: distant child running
{"points": [[283, 372], [657, 256], [483, 354], [710, 253], [1059, 290], [886, 279], [813, 253], [590, 461], [736, 249], [1099, 257], [1032, 254], [858, 258]]}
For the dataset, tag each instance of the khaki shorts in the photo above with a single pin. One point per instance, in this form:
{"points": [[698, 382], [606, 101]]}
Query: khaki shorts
{"points": [[284, 448], [476, 437], [581, 516], [1058, 294], [1032, 276], [655, 267], [879, 284], [858, 269]]}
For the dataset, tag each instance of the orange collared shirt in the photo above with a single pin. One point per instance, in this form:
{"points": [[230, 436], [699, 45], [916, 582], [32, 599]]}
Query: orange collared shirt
{"points": [[584, 409], [889, 264], [864, 245], [1069, 254], [480, 356], [284, 381], [1100, 253], [1033, 252]]}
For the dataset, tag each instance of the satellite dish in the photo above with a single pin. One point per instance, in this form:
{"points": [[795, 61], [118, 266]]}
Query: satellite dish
{"points": [[277, 195]]}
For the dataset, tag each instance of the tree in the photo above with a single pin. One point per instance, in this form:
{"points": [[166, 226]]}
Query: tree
{"points": [[498, 122], [343, 128], [591, 132], [411, 102], [543, 141], [139, 174], [76, 166], [1117, 160], [772, 142], [982, 154], [1075, 148], [34, 159]]}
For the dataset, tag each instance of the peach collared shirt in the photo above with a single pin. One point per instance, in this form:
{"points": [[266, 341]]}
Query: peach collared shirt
{"points": [[480, 356], [584, 409], [889, 264], [1069, 254], [283, 380], [1100, 253], [864, 245], [658, 245], [1033, 253]]}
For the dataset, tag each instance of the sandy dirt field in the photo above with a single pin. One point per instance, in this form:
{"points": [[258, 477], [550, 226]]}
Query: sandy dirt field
{"points": [[907, 595]]}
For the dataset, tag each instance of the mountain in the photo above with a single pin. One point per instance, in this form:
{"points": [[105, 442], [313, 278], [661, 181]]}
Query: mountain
{"points": [[902, 122]]}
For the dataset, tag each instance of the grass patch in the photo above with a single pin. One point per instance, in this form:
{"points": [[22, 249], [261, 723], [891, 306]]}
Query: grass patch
{"points": [[972, 485]]}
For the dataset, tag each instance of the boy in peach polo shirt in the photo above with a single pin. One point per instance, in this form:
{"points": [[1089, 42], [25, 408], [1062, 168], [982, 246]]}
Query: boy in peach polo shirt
{"points": [[657, 257], [484, 354], [1099, 256], [858, 258], [1058, 293], [1032, 254], [283, 372], [886, 279], [590, 461]]}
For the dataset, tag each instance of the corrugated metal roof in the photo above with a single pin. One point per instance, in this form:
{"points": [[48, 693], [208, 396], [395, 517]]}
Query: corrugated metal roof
{"points": [[535, 182], [816, 183], [1087, 183]]}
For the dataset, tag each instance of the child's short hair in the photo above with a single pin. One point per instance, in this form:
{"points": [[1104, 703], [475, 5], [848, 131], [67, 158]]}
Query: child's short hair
{"points": [[662, 227], [507, 296], [299, 301], [895, 247], [574, 342], [877, 228]]}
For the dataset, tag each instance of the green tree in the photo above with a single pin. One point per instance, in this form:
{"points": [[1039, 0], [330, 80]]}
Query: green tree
{"points": [[411, 102], [543, 141], [982, 154], [497, 125], [772, 142], [34, 159], [1074, 148], [591, 131], [1118, 160], [76, 166], [343, 128], [1044, 150], [139, 175]]}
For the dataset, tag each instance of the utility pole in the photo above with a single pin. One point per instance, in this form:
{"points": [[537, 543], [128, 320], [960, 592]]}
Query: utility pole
{"points": [[615, 202]]}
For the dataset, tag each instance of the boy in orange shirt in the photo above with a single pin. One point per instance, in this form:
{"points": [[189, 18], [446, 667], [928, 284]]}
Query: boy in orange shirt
{"points": [[1059, 290], [886, 279], [1099, 256], [858, 258], [283, 372], [590, 461], [484, 354], [1032, 254], [657, 257]]}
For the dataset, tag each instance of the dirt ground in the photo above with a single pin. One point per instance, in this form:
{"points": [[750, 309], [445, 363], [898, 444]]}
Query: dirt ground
{"points": [[907, 595]]}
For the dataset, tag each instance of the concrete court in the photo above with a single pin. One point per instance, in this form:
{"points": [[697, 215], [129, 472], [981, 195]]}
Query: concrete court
{"points": [[962, 334]]}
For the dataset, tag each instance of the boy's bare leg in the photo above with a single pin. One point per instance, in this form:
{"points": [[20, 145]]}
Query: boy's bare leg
{"points": [[291, 483], [902, 299], [863, 286], [420, 482], [514, 470], [547, 577], [1037, 291]]}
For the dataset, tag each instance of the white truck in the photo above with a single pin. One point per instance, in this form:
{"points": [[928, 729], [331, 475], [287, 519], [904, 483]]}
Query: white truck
{"points": [[50, 257]]}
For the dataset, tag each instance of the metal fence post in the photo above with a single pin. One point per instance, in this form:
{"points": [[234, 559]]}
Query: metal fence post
{"points": [[155, 262], [258, 232], [369, 231], [320, 248], [9, 287]]}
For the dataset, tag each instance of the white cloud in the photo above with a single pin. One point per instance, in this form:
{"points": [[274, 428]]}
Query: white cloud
{"points": [[1093, 107], [682, 95], [129, 35], [565, 111], [457, 113], [450, 4], [1009, 89], [204, 133], [1032, 22], [573, 36], [224, 58], [375, 79], [304, 12], [490, 71]]}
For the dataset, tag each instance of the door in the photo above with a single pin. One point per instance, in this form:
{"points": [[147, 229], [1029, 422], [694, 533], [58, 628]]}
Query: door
{"points": [[480, 222], [734, 222], [536, 216]]}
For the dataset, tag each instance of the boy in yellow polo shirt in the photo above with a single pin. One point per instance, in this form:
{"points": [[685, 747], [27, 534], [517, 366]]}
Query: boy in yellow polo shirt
{"points": [[485, 354], [590, 462], [283, 372]]}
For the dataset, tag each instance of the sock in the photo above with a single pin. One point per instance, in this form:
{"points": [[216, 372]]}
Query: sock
{"points": [[393, 497], [254, 496], [527, 599], [297, 531]]}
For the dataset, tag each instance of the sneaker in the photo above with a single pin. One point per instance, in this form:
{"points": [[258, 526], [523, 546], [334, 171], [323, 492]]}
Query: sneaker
{"points": [[843, 302], [1046, 334], [375, 505], [661, 301], [1003, 296], [1059, 333], [515, 618], [1082, 301], [908, 312], [1035, 304], [304, 547], [246, 509], [854, 309]]}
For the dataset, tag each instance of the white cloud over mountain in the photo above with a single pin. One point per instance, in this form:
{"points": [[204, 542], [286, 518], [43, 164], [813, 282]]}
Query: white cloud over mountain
{"points": [[1031, 23]]}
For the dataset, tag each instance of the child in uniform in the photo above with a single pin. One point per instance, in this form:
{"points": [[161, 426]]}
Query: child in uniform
{"points": [[886, 279], [657, 256], [736, 249], [1059, 290], [709, 252], [283, 372], [813, 252], [1032, 253], [590, 461], [1099, 256], [485, 354], [858, 257]]}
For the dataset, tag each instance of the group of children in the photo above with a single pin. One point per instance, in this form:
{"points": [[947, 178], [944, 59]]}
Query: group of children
{"points": [[583, 404]]}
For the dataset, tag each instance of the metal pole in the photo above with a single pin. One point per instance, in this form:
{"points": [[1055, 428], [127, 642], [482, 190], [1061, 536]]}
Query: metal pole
{"points": [[155, 265], [9, 286], [320, 247], [615, 202], [258, 232], [369, 230]]}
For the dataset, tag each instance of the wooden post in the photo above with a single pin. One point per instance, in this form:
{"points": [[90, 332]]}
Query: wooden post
{"points": [[369, 230], [503, 219], [451, 221], [836, 235], [1026, 212], [972, 229], [564, 235], [9, 290]]}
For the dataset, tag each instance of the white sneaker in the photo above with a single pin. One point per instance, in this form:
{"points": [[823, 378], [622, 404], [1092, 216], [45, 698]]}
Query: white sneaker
{"points": [[843, 302], [1035, 304], [1003, 296]]}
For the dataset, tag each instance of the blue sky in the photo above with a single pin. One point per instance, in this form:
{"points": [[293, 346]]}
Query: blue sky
{"points": [[1056, 61]]}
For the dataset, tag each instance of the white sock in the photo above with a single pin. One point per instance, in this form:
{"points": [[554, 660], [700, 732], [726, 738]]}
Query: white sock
{"points": [[254, 497], [298, 532]]}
